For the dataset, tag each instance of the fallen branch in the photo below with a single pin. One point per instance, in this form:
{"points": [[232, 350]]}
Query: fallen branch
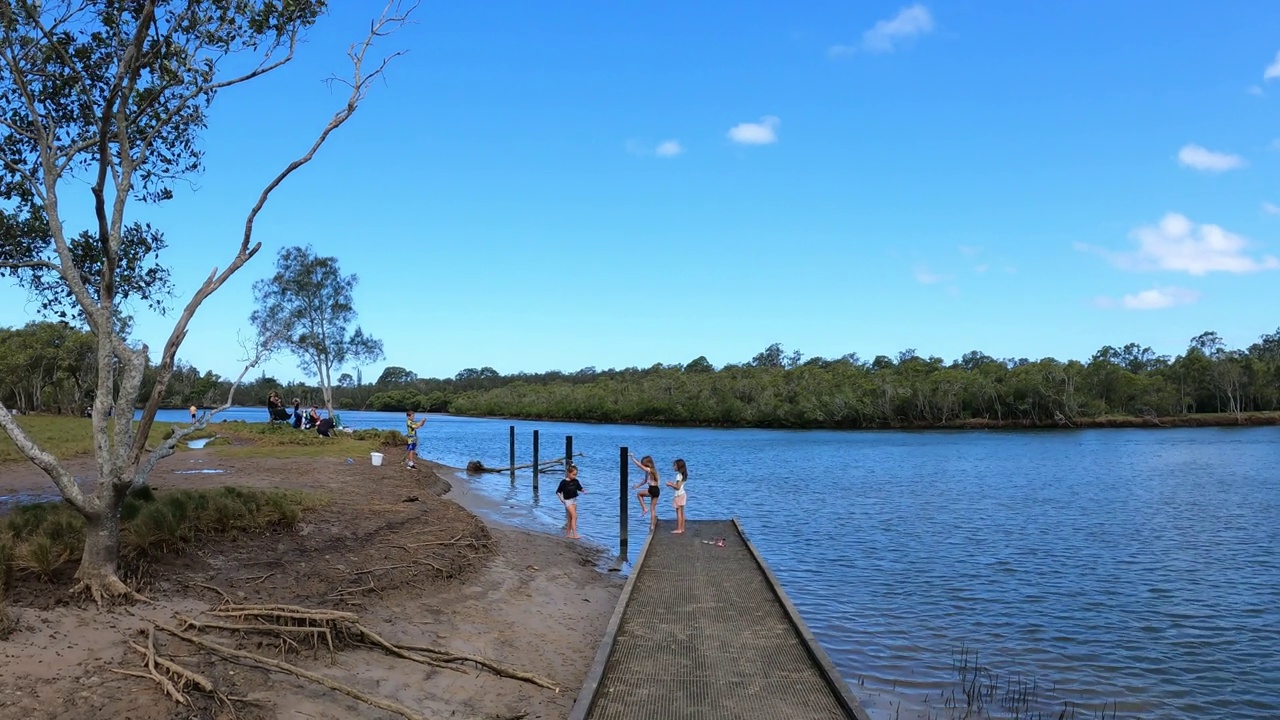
{"points": [[475, 466], [281, 666]]}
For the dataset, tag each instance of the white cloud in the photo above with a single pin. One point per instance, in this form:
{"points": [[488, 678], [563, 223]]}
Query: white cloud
{"points": [[1273, 70], [926, 277], [764, 132], [665, 149], [968, 250], [669, 148], [981, 268], [886, 35], [908, 23], [1255, 90], [1199, 158], [1270, 209], [1153, 299], [1177, 244]]}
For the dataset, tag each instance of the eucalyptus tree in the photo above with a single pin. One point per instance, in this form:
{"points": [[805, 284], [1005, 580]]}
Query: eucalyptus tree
{"points": [[309, 305], [113, 96]]}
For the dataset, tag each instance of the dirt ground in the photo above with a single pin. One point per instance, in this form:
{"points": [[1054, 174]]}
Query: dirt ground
{"points": [[417, 567]]}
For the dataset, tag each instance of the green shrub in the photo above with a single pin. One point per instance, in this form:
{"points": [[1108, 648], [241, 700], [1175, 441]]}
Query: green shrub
{"points": [[38, 538]]}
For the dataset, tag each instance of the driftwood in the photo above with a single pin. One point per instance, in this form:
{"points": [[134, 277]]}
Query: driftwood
{"points": [[476, 467]]}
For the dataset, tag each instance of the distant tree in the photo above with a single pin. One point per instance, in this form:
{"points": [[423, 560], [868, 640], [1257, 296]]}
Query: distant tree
{"points": [[112, 97], [699, 364], [346, 381], [396, 375], [771, 356], [308, 303]]}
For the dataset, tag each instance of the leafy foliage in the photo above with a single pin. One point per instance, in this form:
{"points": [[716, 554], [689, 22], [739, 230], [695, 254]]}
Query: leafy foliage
{"points": [[778, 390], [308, 304]]}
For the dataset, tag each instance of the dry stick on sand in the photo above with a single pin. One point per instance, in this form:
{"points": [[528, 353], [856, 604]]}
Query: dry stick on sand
{"points": [[281, 666]]}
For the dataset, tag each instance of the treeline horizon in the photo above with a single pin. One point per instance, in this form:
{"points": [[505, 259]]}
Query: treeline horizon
{"points": [[47, 367]]}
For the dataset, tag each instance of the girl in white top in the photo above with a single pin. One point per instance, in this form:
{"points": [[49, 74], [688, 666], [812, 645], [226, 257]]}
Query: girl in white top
{"points": [[682, 475]]}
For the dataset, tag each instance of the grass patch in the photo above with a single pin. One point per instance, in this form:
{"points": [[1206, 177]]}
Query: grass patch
{"points": [[259, 440], [67, 436], [37, 539]]}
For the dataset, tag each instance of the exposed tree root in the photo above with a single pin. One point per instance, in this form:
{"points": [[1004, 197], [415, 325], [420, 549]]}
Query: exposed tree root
{"points": [[281, 666], [107, 592], [315, 633], [339, 625], [175, 679], [449, 656]]}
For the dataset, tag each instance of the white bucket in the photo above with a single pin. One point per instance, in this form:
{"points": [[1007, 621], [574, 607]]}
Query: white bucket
{"points": [[377, 458]]}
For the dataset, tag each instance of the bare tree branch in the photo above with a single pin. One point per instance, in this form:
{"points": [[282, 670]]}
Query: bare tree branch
{"points": [[391, 18], [261, 349], [66, 483]]}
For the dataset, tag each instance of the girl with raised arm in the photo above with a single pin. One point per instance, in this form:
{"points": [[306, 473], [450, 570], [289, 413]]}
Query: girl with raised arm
{"points": [[651, 481]]}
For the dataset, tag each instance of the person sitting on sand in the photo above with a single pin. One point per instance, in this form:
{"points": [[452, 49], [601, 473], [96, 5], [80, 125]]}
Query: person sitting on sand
{"points": [[568, 494], [682, 476], [411, 434], [651, 479]]}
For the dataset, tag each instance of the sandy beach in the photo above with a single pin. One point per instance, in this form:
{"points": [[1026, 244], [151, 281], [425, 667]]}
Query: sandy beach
{"points": [[398, 547]]}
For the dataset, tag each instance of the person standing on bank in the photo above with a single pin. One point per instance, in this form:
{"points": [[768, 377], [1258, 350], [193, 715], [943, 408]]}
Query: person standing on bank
{"points": [[682, 476], [568, 494], [193, 414], [411, 434], [652, 491]]}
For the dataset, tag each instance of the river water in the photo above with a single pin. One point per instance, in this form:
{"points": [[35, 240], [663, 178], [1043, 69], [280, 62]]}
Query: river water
{"points": [[1133, 568]]}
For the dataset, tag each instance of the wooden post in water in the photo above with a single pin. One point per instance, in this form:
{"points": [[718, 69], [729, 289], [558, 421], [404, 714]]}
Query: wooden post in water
{"points": [[512, 439], [624, 486], [568, 453], [535, 460]]}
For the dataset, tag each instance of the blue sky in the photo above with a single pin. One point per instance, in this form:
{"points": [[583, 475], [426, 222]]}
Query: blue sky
{"points": [[555, 186]]}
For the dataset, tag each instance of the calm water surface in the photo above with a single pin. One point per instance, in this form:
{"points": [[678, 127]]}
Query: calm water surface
{"points": [[1134, 567]]}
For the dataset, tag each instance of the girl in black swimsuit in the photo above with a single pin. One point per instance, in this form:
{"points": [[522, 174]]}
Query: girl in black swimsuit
{"points": [[651, 479]]}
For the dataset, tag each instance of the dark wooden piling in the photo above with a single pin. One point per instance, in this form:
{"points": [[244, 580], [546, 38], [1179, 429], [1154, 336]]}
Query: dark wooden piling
{"points": [[512, 443], [624, 486], [535, 460]]}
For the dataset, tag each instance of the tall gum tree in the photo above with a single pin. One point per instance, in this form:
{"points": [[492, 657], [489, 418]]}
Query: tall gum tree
{"points": [[114, 94], [309, 305]]}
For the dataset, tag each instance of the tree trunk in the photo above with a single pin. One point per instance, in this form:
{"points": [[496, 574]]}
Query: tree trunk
{"points": [[101, 560]]}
